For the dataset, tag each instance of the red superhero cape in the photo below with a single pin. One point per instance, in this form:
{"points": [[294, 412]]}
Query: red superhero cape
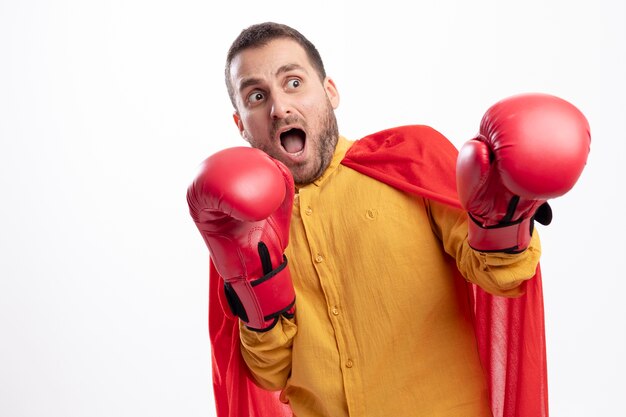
{"points": [[510, 331]]}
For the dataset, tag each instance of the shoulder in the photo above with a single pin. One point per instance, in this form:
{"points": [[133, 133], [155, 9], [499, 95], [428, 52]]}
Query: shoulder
{"points": [[414, 144], [413, 158], [403, 141]]}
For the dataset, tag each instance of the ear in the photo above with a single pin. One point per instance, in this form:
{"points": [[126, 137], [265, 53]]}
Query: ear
{"points": [[239, 123], [331, 92]]}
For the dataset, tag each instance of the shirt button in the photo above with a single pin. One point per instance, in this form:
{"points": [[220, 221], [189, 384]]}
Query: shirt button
{"points": [[319, 259], [371, 214], [335, 311], [349, 363], [308, 211]]}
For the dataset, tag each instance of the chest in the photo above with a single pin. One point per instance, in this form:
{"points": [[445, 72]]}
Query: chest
{"points": [[352, 228]]}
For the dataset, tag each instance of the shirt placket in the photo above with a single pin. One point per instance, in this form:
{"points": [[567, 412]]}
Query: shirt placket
{"points": [[323, 264]]}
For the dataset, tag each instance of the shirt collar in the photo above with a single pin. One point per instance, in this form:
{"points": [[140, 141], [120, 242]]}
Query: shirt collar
{"points": [[342, 147]]}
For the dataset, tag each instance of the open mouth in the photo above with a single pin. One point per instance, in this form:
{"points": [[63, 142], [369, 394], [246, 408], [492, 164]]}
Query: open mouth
{"points": [[293, 141]]}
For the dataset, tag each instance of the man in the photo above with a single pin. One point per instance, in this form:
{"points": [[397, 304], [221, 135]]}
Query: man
{"points": [[347, 287]]}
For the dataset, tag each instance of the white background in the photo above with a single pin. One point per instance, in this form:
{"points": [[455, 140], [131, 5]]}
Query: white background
{"points": [[108, 106]]}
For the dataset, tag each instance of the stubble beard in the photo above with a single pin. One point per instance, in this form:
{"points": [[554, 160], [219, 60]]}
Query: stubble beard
{"points": [[326, 141]]}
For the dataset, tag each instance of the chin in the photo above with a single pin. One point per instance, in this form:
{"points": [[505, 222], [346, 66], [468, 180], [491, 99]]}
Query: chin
{"points": [[304, 178]]}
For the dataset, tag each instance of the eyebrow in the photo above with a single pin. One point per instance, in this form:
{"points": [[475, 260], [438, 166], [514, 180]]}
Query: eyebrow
{"points": [[285, 68]]}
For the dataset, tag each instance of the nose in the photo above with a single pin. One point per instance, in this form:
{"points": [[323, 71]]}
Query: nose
{"points": [[281, 107]]}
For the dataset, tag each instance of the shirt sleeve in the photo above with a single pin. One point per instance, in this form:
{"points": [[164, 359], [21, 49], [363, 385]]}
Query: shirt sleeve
{"points": [[498, 273], [268, 354]]}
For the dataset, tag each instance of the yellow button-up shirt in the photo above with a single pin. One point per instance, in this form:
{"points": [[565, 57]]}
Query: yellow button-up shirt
{"points": [[381, 327]]}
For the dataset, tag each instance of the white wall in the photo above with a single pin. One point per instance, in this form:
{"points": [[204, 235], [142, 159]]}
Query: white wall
{"points": [[108, 106]]}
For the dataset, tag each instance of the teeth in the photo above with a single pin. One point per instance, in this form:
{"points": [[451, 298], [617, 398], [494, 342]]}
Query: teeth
{"points": [[297, 153]]}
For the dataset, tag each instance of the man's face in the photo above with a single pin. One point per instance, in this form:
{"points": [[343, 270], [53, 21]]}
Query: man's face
{"points": [[284, 109]]}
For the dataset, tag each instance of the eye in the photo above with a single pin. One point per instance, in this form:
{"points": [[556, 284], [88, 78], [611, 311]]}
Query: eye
{"points": [[255, 97], [294, 83]]}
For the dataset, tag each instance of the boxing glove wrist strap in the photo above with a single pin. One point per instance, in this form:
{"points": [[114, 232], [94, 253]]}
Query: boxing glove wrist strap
{"points": [[260, 302], [509, 237]]}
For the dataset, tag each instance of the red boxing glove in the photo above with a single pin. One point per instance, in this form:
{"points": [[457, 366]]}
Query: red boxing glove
{"points": [[241, 202], [530, 148]]}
